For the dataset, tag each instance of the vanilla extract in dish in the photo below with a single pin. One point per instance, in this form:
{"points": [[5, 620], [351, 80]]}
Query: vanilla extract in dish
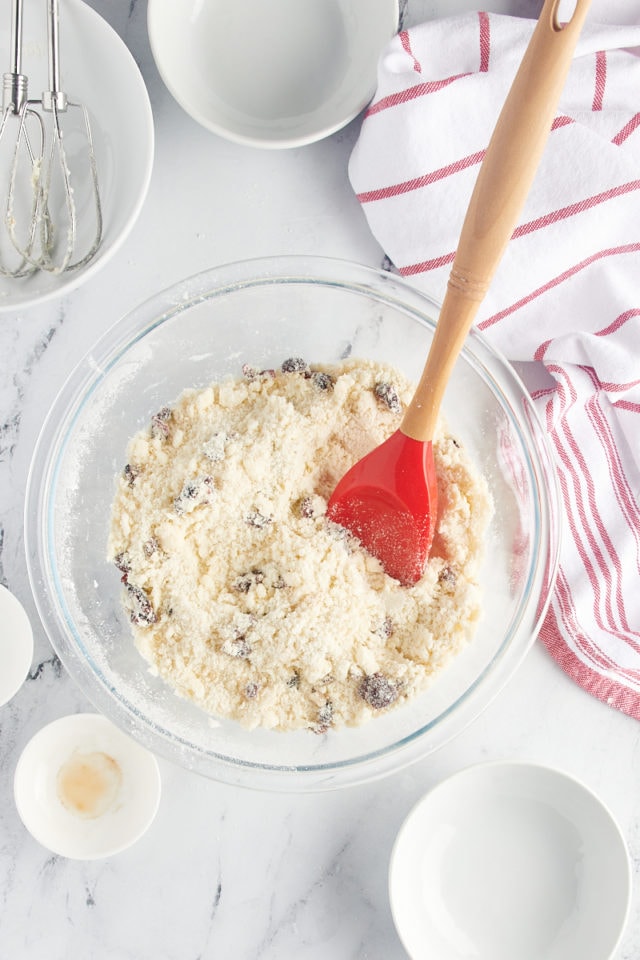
{"points": [[88, 784], [242, 594]]}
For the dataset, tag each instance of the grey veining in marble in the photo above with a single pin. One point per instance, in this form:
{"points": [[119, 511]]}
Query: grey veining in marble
{"points": [[223, 872]]}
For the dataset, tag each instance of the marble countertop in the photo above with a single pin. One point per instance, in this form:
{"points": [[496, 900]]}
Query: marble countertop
{"points": [[225, 872]]}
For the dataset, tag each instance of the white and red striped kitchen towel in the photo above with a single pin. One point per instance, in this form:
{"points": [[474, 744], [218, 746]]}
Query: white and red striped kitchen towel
{"points": [[567, 292]]}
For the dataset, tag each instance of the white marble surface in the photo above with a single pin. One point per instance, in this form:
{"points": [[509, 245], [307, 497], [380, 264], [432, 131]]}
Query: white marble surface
{"points": [[227, 873]]}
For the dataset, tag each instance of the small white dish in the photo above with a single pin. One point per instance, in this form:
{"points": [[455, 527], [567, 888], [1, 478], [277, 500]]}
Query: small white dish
{"points": [[510, 860], [276, 74], [98, 70], [16, 645], [84, 789]]}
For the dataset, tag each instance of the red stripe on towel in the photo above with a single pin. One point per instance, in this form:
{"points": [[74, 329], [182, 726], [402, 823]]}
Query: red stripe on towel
{"points": [[396, 189], [566, 275], [627, 405], [600, 80], [627, 130], [566, 607], [485, 41], [411, 93], [619, 322], [405, 40], [574, 208], [601, 563], [619, 482], [561, 121], [608, 385], [427, 265]]}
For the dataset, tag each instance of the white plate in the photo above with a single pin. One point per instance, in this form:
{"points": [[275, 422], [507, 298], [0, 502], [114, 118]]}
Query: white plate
{"points": [[510, 861], [98, 70], [280, 73], [16, 645], [84, 789]]}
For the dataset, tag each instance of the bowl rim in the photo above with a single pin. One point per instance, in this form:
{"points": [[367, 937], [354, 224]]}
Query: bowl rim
{"points": [[516, 777], [78, 387], [272, 139]]}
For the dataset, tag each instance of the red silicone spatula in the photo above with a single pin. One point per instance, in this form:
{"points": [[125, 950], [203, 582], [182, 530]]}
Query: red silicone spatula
{"points": [[389, 498]]}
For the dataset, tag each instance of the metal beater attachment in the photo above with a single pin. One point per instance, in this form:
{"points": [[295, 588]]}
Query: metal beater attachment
{"points": [[20, 162], [63, 230], [68, 182]]}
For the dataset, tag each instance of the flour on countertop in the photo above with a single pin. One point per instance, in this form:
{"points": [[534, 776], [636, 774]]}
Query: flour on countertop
{"points": [[241, 593]]}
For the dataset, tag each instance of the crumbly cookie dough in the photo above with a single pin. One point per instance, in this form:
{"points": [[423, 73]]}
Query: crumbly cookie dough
{"points": [[243, 595]]}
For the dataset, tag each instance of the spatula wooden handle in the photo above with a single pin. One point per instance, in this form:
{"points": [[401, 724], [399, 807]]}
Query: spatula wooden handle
{"points": [[502, 186]]}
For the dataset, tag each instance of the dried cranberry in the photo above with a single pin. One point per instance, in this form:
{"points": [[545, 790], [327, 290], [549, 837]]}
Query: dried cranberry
{"points": [[247, 580], [322, 381], [141, 609], [447, 576], [378, 691], [252, 373], [243, 584], [324, 718], [160, 422], [295, 365], [130, 474], [123, 563], [387, 395], [150, 546], [195, 491]]}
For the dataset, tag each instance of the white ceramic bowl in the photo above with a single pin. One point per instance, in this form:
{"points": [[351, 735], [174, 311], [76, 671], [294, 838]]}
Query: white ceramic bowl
{"points": [[85, 790], [201, 330], [98, 70], [16, 645], [271, 74], [506, 860]]}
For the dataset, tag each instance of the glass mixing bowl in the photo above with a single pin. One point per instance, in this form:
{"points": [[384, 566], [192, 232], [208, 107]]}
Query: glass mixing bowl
{"points": [[203, 329]]}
